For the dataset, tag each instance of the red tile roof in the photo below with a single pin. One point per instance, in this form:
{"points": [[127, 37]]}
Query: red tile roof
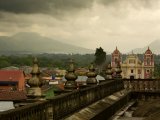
{"points": [[10, 75], [12, 95]]}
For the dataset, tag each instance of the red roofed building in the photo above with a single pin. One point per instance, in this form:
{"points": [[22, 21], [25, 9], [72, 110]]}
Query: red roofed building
{"points": [[12, 96], [12, 80]]}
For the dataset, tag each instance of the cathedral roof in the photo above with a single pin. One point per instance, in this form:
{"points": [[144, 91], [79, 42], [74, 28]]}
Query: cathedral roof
{"points": [[133, 57], [148, 51]]}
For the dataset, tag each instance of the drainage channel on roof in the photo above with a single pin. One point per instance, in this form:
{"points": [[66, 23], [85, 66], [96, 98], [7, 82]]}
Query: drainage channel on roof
{"points": [[94, 109]]}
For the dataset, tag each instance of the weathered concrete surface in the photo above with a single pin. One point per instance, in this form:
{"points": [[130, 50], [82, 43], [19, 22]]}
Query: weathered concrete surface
{"points": [[155, 116], [147, 108], [95, 109], [124, 112], [132, 118], [144, 110]]}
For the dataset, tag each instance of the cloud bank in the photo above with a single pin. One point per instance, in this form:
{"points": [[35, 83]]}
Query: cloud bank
{"points": [[87, 23]]}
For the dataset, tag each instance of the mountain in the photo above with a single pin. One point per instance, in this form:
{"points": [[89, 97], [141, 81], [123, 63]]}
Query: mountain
{"points": [[25, 43], [154, 46]]}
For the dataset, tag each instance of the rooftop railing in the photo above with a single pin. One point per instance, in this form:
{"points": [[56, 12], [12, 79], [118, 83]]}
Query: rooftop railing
{"points": [[65, 104], [142, 84]]}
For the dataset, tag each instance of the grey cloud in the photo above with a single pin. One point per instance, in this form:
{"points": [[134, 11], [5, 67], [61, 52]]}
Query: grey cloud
{"points": [[21, 13], [97, 26], [133, 3], [60, 8], [43, 6], [18, 20], [23, 6], [107, 2]]}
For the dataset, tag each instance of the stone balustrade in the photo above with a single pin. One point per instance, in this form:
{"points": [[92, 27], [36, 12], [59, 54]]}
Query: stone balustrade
{"points": [[63, 105], [142, 84]]}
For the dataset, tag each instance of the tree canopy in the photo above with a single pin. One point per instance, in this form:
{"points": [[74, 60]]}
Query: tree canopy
{"points": [[100, 56]]}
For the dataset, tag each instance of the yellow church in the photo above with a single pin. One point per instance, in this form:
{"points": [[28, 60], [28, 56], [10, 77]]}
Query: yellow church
{"points": [[132, 67]]}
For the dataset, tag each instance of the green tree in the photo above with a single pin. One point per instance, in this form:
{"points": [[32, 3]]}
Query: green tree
{"points": [[4, 63], [157, 71], [100, 58]]}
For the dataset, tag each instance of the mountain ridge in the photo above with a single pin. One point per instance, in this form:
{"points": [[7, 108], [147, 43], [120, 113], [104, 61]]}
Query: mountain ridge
{"points": [[26, 42], [154, 47]]}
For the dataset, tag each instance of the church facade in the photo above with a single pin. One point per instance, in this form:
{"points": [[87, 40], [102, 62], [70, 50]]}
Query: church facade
{"points": [[132, 67]]}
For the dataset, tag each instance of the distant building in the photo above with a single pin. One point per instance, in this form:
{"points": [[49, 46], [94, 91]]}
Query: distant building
{"points": [[12, 80], [6, 105], [132, 67], [81, 71], [15, 96], [10, 68], [27, 69], [11, 99], [60, 72]]}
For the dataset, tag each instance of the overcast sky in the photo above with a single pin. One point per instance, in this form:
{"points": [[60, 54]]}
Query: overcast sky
{"points": [[127, 24]]}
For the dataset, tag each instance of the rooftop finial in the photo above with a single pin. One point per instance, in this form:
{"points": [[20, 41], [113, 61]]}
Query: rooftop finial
{"points": [[91, 75], [71, 65], [109, 72], [35, 82], [71, 77], [118, 71], [35, 61], [35, 68]]}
